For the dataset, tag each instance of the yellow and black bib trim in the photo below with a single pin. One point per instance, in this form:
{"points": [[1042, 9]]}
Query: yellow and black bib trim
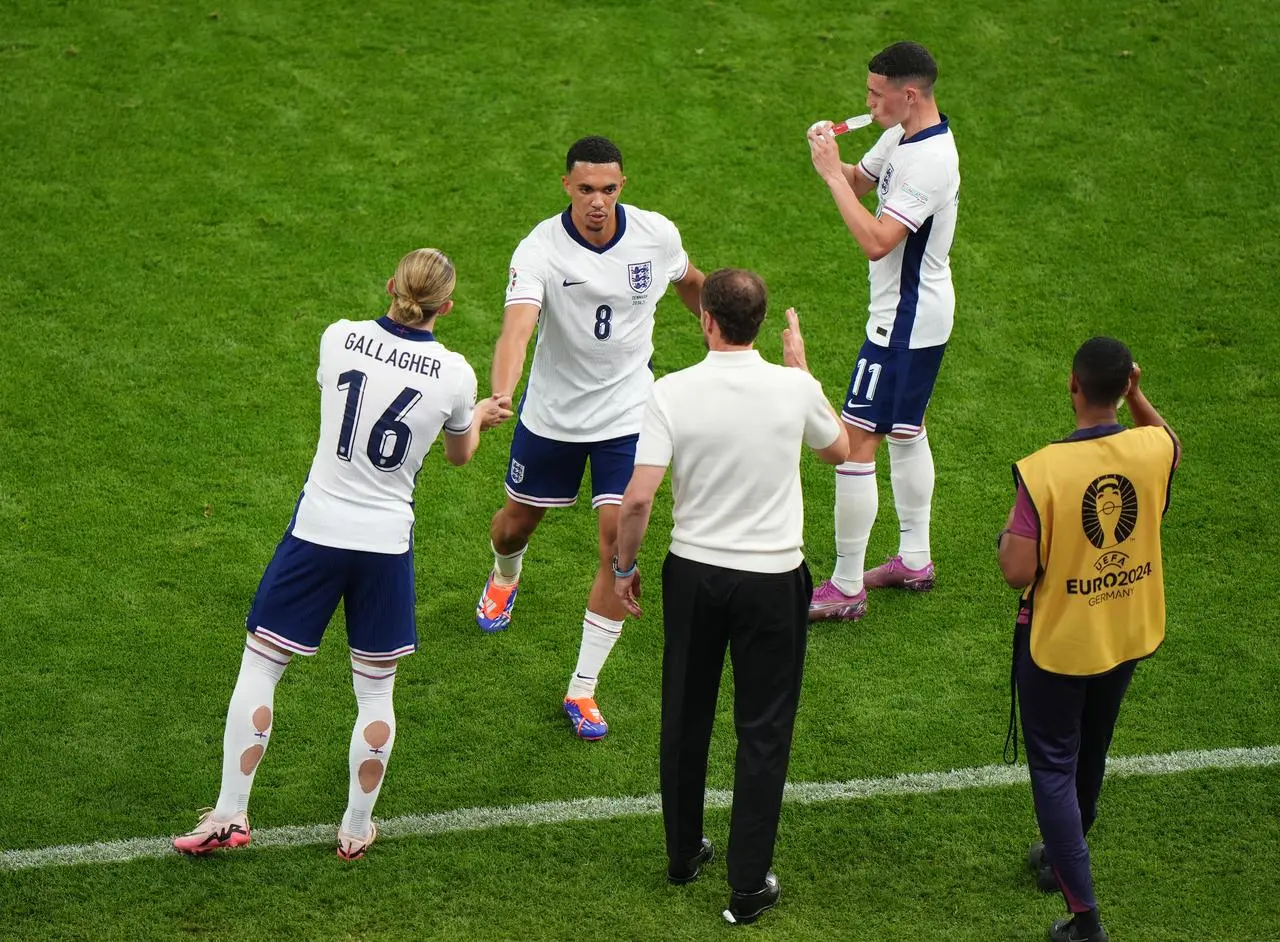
{"points": [[1098, 597]]}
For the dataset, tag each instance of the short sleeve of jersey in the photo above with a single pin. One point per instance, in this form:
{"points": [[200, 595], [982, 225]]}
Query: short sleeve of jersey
{"points": [[464, 402], [873, 161], [526, 281], [1025, 522], [676, 257], [820, 426], [921, 189], [655, 445], [325, 341]]}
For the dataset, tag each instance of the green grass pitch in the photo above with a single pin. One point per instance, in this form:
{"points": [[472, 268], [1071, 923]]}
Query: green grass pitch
{"points": [[190, 193]]}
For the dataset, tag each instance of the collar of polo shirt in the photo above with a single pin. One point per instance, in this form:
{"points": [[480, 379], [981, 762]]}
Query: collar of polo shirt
{"points": [[733, 357]]}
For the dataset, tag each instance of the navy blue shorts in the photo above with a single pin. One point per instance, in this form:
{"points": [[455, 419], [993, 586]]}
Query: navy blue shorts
{"points": [[304, 582], [547, 473], [890, 388]]}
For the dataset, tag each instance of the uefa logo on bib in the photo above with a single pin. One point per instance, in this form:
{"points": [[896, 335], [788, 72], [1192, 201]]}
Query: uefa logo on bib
{"points": [[640, 274]]}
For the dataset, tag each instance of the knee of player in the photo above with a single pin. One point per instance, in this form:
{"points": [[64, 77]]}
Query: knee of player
{"points": [[510, 531], [906, 438]]}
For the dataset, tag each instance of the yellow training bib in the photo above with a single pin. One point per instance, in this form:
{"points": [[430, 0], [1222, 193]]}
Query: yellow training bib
{"points": [[1098, 598]]}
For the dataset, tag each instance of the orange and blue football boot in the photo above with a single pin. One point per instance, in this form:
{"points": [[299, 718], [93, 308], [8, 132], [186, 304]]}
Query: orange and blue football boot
{"points": [[493, 611], [585, 716]]}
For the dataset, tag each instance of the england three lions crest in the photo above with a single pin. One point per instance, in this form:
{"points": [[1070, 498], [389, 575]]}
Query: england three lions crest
{"points": [[640, 274]]}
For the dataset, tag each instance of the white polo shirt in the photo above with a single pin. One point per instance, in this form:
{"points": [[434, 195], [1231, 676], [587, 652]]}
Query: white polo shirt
{"points": [[732, 427]]}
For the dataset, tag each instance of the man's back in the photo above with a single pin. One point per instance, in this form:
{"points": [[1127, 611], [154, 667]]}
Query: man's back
{"points": [[386, 393], [737, 425], [1098, 597]]}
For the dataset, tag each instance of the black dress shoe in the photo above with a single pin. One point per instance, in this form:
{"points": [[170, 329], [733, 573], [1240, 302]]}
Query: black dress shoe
{"points": [[747, 907], [1046, 879], [687, 872], [1071, 930]]}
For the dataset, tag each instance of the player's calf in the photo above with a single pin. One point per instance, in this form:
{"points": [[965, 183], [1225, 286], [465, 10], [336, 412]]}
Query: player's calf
{"points": [[371, 742]]}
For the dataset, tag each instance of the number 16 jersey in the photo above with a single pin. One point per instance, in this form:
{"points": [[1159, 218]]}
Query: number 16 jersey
{"points": [[386, 391], [590, 377]]}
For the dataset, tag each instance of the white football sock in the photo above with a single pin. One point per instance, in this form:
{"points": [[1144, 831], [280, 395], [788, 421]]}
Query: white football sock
{"points": [[507, 568], [250, 717], [371, 742], [599, 635], [856, 505], [911, 472]]}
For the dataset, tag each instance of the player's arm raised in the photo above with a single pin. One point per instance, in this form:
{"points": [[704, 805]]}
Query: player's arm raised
{"points": [[518, 324], [876, 237]]}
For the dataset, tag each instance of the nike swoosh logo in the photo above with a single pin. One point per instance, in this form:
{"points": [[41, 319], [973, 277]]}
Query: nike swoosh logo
{"points": [[570, 284], [857, 405]]}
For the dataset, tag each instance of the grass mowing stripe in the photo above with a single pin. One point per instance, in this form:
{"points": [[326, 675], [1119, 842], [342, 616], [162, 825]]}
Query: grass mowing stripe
{"points": [[597, 809]]}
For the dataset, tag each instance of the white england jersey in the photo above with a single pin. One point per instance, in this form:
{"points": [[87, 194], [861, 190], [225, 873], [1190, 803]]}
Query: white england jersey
{"points": [[590, 377], [386, 391], [913, 302]]}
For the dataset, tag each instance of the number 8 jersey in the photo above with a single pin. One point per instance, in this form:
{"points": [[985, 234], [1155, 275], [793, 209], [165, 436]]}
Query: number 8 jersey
{"points": [[386, 391], [590, 377]]}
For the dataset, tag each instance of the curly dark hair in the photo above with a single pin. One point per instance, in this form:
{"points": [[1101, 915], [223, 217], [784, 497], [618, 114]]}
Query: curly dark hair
{"points": [[593, 150], [1102, 366]]}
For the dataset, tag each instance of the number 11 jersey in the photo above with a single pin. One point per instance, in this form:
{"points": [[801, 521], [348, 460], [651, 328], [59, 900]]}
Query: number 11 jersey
{"points": [[386, 391], [590, 377]]}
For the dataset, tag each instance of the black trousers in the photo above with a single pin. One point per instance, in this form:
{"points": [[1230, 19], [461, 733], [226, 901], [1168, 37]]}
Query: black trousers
{"points": [[763, 620], [1067, 723]]}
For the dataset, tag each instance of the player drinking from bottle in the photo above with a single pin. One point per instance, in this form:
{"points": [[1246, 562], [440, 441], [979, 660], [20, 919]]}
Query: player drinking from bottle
{"points": [[915, 172]]}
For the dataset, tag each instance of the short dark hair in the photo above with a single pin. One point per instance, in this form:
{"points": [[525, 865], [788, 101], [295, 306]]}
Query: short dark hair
{"points": [[905, 61], [736, 300], [592, 150], [1102, 366]]}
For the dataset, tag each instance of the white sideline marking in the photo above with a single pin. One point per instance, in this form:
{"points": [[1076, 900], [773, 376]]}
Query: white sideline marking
{"points": [[604, 809]]}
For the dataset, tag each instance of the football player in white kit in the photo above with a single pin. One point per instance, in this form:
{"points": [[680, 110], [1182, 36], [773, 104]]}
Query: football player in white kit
{"points": [[388, 388], [915, 171], [588, 279]]}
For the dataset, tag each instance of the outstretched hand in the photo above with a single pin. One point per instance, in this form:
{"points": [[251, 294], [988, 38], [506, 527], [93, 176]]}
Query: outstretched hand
{"points": [[793, 342], [492, 412]]}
